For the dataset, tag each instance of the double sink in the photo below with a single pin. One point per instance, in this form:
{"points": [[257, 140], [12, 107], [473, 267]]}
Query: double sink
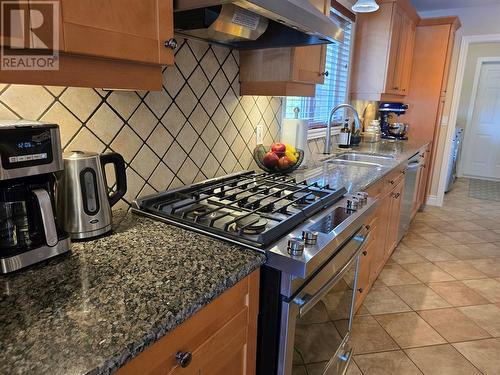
{"points": [[361, 159]]}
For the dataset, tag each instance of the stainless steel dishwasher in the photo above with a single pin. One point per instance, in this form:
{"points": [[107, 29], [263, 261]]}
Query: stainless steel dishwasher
{"points": [[409, 194]]}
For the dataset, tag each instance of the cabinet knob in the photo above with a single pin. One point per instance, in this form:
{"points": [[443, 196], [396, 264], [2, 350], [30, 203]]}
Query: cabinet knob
{"points": [[396, 88], [171, 43], [183, 358], [392, 182], [360, 290], [365, 253], [325, 73]]}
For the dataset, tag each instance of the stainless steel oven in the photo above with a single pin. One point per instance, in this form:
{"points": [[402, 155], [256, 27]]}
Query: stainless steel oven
{"points": [[317, 320]]}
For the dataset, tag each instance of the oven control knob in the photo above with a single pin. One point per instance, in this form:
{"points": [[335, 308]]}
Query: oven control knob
{"points": [[363, 197], [310, 238], [352, 204], [295, 246]]}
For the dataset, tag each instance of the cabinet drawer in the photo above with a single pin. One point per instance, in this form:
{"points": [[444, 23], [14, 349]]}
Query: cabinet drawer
{"points": [[222, 324], [393, 179]]}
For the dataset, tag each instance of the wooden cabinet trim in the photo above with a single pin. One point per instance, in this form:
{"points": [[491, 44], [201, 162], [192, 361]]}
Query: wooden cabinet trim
{"points": [[278, 88], [113, 44], [92, 72]]}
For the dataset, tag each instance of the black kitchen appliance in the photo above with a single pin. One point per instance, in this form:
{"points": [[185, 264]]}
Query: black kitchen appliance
{"points": [[387, 110], [312, 236], [30, 155]]}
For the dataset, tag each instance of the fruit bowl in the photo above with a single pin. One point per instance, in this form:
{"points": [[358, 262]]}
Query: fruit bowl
{"points": [[279, 158]]}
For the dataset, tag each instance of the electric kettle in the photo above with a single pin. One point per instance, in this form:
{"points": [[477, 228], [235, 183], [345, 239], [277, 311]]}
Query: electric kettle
{"points": [[83, 202]]}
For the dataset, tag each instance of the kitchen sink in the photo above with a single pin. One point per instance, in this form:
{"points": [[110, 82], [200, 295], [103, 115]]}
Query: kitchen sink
{"points": [[362, 157], [357, 163]]}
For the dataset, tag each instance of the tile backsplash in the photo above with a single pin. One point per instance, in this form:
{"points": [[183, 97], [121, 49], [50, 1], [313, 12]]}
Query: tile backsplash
{"points": [[197, 127]]}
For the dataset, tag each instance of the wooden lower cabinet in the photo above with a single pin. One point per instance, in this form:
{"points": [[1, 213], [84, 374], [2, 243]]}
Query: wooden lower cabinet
{"points": [[219, 339], [384, 225], [395, 197]]}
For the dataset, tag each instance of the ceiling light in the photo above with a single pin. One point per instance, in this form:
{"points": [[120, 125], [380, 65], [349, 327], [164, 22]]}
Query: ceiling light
{"points": [[365, 6]]}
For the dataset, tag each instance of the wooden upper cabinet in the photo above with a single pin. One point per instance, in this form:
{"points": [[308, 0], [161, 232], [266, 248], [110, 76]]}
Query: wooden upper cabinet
{"points": [[383, 51], [291, 71], [121, 29], [116, 44]]}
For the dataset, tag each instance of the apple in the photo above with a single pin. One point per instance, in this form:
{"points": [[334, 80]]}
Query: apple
{"points": [[270, 159], [278, 148], [284, 163]]}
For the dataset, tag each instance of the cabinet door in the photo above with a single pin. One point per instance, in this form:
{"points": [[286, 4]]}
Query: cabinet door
{"points": [[15, 24], [119, 29], [406, 59], [396, 197], [394, 66], [364, 281], [309, 62]]}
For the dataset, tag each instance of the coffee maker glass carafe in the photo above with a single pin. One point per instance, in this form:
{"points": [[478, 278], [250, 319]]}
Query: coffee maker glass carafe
{"points": [[14, 227], [27, 215]]}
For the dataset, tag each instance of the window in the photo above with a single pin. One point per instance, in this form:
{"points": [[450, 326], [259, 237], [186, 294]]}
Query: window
{"points": [[334, 89]]}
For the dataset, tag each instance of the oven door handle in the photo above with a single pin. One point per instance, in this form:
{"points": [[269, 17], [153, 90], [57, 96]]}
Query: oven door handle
{"points": [[306, 302]]}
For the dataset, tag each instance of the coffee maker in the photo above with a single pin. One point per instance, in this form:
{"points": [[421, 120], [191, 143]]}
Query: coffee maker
{"points": [[30, 156], [394, 130]]}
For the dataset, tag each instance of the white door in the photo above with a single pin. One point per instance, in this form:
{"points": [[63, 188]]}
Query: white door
{"points": [[481, 154]]}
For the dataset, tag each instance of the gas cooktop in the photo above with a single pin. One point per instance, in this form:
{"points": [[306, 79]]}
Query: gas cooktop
{"points": [[247, 207], [298, 225]]}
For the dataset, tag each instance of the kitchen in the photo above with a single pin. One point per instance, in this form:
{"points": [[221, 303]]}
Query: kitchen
{"points": [[215, 252]]}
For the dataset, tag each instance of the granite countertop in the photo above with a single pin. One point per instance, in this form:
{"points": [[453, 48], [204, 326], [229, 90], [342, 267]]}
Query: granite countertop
{"points": [[358, 177], [93, 309]]}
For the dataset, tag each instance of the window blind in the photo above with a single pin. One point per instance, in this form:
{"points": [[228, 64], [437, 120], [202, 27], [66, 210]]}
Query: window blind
{"points": [[334, 89]]}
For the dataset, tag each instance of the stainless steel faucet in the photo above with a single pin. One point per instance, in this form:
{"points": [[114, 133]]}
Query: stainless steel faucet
{"points": [[357, 125]]}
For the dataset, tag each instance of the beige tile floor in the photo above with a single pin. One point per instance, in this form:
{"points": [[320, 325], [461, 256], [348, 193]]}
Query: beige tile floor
{"points": [[435, 308]]}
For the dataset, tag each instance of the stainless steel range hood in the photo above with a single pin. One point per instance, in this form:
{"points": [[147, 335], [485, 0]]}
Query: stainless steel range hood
{"points": [[254, 24]]}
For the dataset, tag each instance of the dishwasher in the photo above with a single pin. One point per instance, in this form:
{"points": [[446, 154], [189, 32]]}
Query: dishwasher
{"points": [[409, 194]]}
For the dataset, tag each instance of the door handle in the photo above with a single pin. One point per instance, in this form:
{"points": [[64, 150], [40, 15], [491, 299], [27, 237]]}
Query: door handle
{"points": [[47, 214]]}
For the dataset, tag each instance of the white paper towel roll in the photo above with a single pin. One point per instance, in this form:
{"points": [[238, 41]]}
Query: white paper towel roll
{"points": [[294, 132]]}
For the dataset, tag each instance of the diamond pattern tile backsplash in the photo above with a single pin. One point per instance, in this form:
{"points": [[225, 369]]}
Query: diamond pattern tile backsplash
{"points": [[197, 127]]}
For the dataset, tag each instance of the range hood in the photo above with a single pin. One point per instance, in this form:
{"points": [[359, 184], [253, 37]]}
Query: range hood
{"points": [[255, 24]]}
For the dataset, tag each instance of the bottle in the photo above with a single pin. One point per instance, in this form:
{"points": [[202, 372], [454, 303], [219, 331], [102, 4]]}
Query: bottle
{"points": [[345, 135]]}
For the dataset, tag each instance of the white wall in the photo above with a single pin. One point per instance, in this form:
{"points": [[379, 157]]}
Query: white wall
{"points": [[476, 51], [476, 20]]}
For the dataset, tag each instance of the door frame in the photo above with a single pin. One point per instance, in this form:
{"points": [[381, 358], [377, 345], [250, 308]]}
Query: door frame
{"points": [[457, 89], [470, 110]]}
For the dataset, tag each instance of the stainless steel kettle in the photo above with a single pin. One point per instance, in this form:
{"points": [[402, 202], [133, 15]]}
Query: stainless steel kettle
{"points": [[83, 201]]}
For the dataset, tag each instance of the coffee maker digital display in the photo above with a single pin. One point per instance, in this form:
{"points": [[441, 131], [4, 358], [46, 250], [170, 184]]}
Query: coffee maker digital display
{"points": [[26, 147], [30, 156]]}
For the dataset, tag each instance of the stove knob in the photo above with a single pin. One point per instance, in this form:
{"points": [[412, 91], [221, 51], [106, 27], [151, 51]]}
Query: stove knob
{"points": [[310, 238], [295, 246], [352, 204], [363, 197]]}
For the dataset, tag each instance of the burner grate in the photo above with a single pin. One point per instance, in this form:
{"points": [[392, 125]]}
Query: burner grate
{"points": [[253, 207]]}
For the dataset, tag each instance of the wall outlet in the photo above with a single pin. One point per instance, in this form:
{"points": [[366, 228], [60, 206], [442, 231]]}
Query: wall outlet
{"points": [[259, 134]]}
